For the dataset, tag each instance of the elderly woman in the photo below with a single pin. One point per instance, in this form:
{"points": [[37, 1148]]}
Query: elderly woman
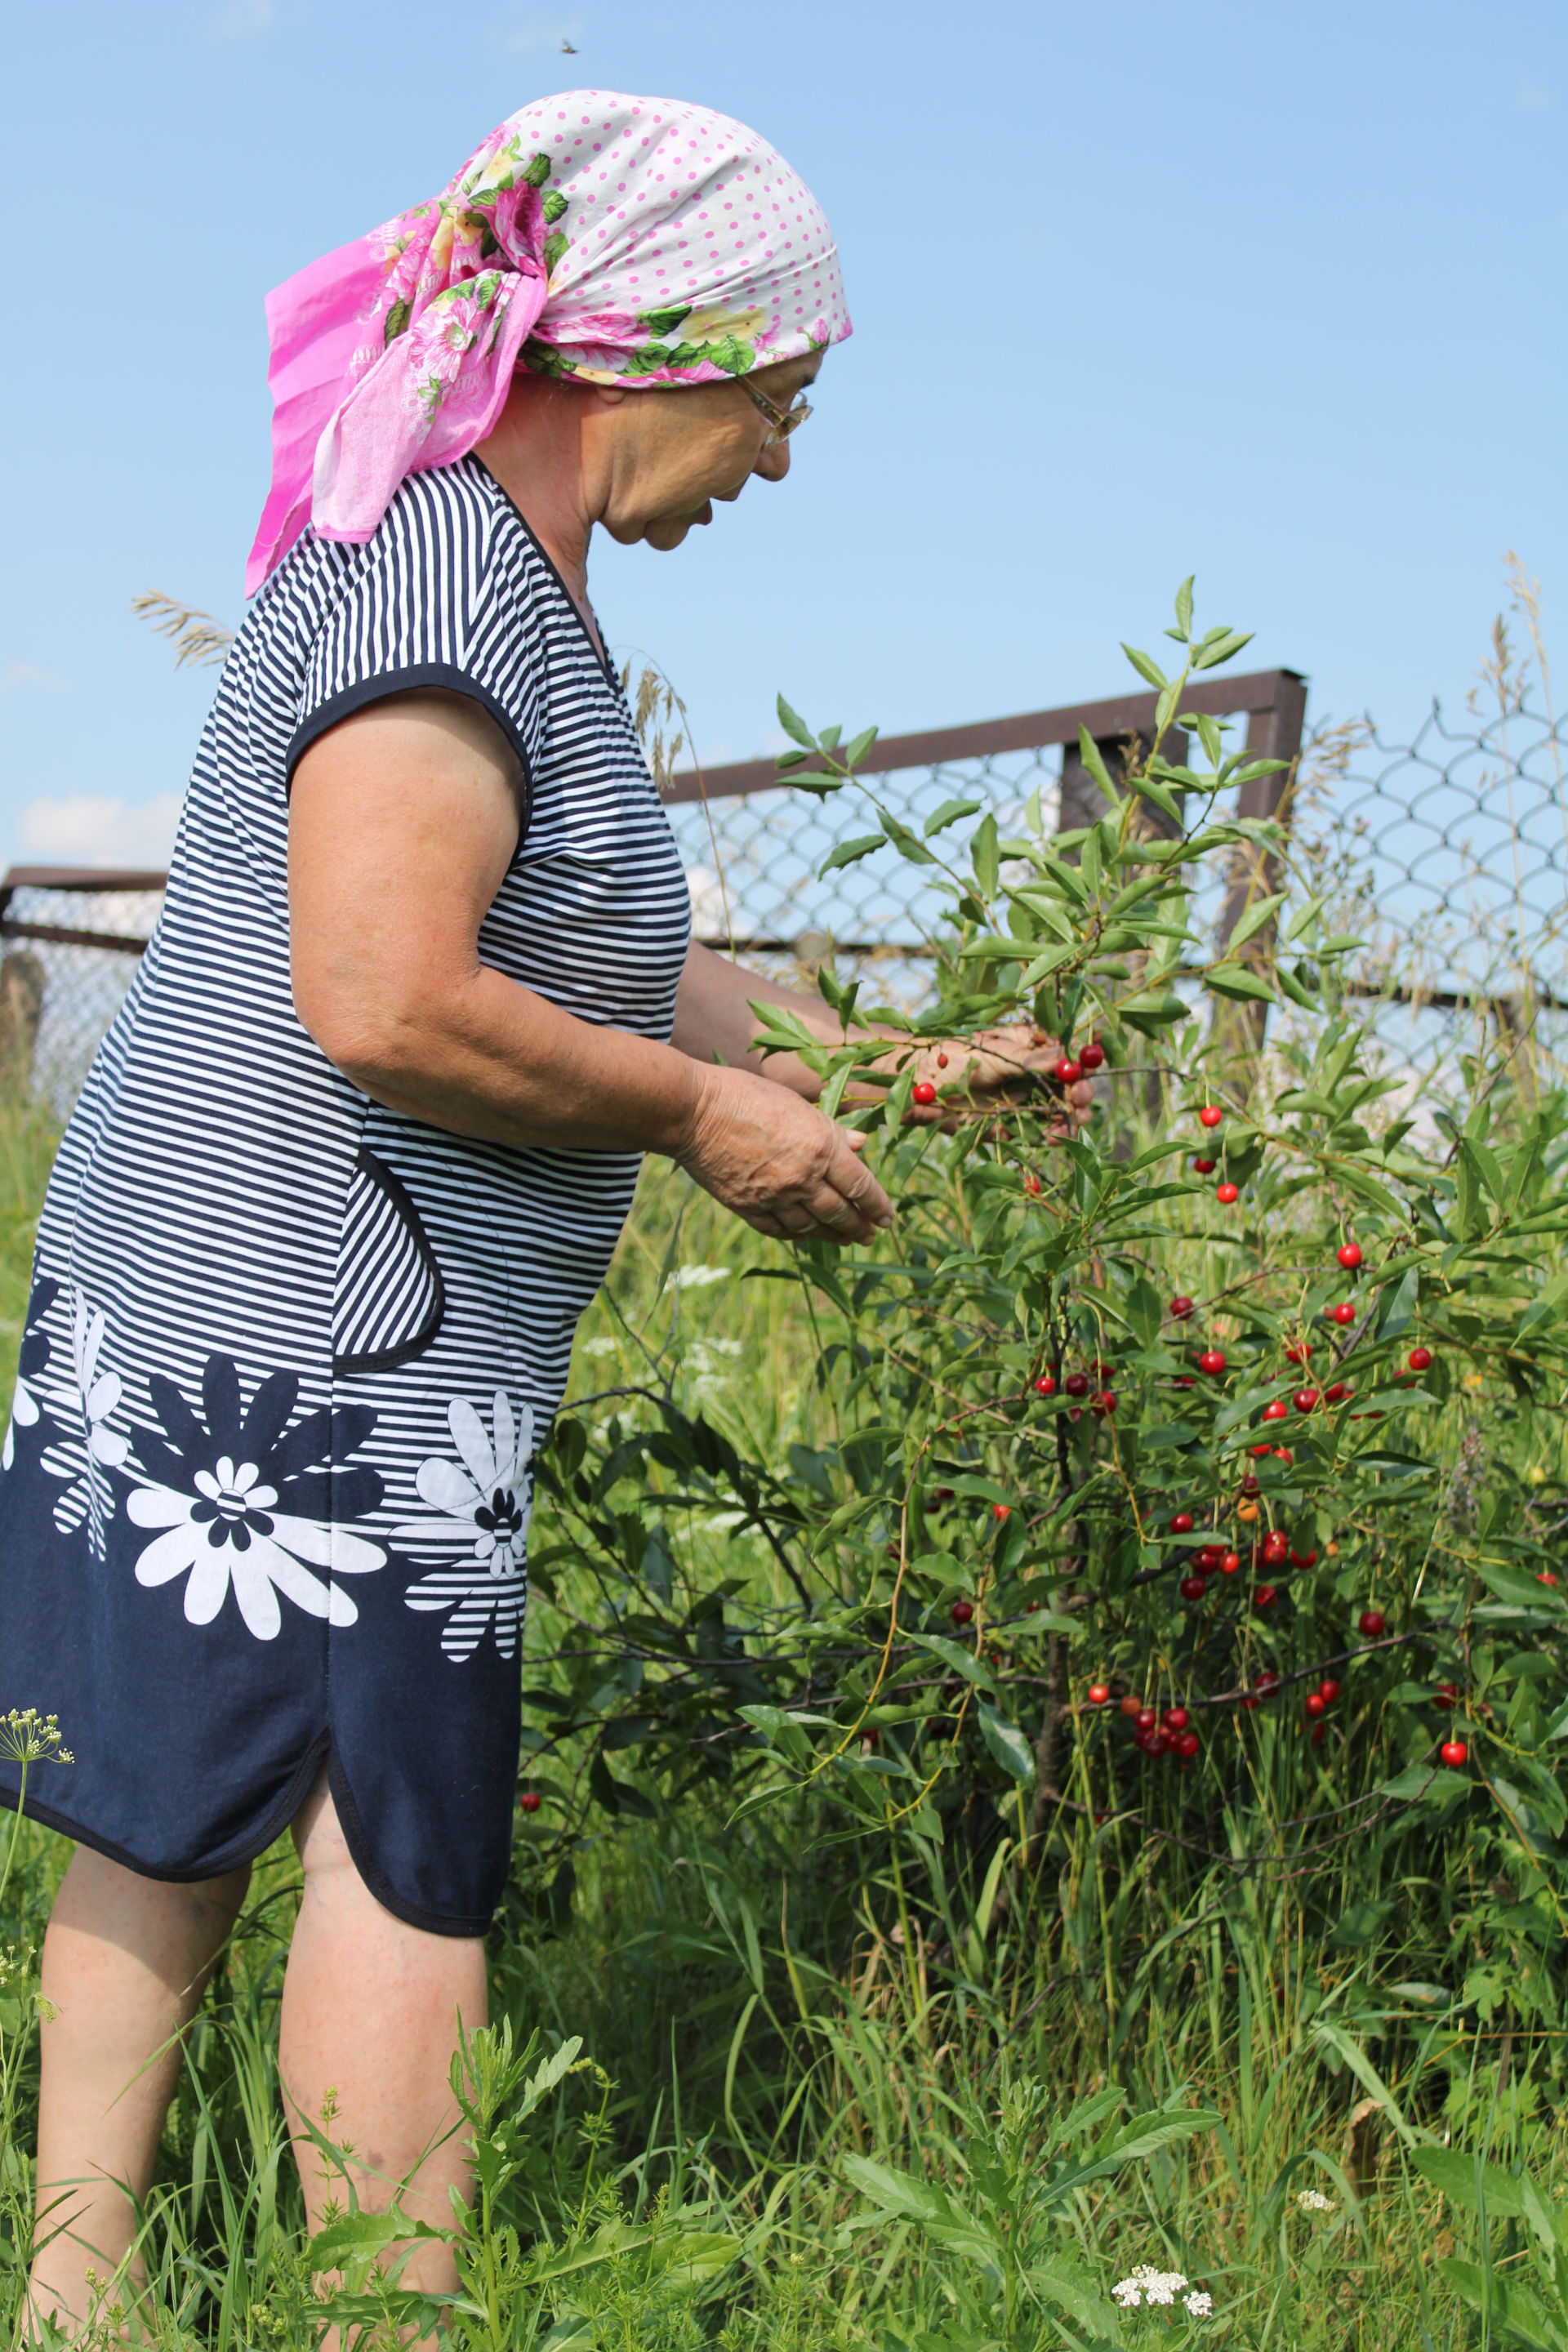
{"points": [[355, 1154]]}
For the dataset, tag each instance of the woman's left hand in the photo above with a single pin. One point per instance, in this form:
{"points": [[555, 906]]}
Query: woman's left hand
{"points": [[994, 1069]]}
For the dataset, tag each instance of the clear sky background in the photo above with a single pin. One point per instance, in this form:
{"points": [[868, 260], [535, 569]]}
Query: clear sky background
{"points": [[1269, 293]]}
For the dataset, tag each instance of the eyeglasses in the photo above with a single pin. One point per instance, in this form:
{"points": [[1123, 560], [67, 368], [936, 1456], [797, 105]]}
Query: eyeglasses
{"points": [[783, 421]]}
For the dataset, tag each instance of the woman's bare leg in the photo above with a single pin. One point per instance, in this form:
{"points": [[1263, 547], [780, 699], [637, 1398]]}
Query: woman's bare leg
{"points": [[370, 2022], [125, 1960]]}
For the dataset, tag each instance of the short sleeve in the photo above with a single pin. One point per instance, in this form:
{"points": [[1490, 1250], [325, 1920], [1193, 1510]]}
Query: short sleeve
{"points": [[413, 608]]}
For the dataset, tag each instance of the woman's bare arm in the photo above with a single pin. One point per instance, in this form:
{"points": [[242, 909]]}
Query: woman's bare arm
{"points": [[403, 823]]}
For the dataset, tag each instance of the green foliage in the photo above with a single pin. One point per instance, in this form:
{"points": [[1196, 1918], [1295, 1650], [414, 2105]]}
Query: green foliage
{"points": [[922, 2003]]}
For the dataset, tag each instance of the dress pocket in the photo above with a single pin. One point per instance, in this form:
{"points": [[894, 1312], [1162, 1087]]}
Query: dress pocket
{"points": [[389, 1297]]}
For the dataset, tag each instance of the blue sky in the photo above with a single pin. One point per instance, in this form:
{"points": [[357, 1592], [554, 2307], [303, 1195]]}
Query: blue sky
{"points": [[1272, 293]]}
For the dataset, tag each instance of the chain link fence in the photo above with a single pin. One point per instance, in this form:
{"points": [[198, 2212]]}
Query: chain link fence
{"points": [[1447, 855]]}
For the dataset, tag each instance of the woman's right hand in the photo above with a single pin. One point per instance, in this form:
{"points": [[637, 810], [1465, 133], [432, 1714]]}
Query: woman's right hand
{"points": [[778, 1163]]}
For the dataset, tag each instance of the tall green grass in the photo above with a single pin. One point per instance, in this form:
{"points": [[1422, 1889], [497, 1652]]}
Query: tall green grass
{"points": [[770, 2019]]}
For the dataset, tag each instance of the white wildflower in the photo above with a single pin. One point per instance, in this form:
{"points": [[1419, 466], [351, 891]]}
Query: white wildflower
{"points": [[695, 1277], [1199, 2303], [1313, 2201], [1144, 2284]]}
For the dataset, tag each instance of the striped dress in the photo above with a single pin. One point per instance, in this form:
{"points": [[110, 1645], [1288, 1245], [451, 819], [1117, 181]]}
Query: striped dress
{"points": [[289, 1354]]}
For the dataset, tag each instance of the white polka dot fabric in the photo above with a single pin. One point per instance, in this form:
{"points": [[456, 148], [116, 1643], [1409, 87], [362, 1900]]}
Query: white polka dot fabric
{"points": [[594, 237]]}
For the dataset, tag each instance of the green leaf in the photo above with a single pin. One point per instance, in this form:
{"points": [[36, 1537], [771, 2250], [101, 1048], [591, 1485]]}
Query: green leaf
{"points": [[1151, 1009], [957, 1659], [848, 852], [1148, 671], [949, 814], [1007, 1745], [908, 845], [361, 2237], [1184, 605], [795, 726], [1235, 980], [854, 750], [986, 857], [1253, 920], [1164, 801], [929, 2207], [1089, 752], [1210, 655]]}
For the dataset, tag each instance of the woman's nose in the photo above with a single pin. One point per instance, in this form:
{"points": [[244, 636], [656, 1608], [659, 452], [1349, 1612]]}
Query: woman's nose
{"points": [[774, 463]]}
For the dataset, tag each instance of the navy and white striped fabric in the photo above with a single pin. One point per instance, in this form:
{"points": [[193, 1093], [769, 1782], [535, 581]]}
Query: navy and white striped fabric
{"points": [[289, 1354]]}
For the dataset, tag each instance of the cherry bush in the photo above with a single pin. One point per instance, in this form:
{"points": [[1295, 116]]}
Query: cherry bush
{"points": [[1196, 1467]]}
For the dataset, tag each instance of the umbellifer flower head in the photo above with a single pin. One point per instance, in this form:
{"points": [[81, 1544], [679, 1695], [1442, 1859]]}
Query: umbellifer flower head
{"points": [[1313, 2201], [29, 1737], [1146, 2284]]}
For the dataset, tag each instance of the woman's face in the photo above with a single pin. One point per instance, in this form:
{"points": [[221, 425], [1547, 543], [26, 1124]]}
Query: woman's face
{"points": [[659, 457]]}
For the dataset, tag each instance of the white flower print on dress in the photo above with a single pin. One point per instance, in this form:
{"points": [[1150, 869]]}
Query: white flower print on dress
{"points": [[26, 1398], [83, 1401], [220, 1511], [484, 1507]]}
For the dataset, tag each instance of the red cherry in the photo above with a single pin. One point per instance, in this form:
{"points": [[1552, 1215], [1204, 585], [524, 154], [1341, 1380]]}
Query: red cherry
{"points": [[1153, 1743], [1249, 1484], [961, 1612], [1183, 1380], [1316, 1703], [1277, 1410], [1545, 1576], [923, 1093], [1261, 1449], [1445, 1696], [1068, 1071], [1186, 1744], [1225, 1193], [1181, 1307], [941, 1493], [1454, 1753], [1230, 1563], [1266, 1596], [1182, 1523], [1283, 1453], [1349, 1255], [1317, 1735], [1419, 1360], [1105, 1402], [1304, 1558], [1268, 1682], [1032, 1184], [1345, 1314], [1210, 1557], [1001, 1510], [1251, 1702], [1192, 1588], [1276, 1548], [1327, 1690], [1147, 1719], [1372, 1623], [1077, 1385], [941, 1061], [1091, 1056], [529, 1801], [1337, 1394], [1176, 1718], [1130, 1706], [1098, 1693], [1045, 1385], [1306, 1399], [1212, 1361], [1298, 1352], [1210, 1114], [1205, 1167]]}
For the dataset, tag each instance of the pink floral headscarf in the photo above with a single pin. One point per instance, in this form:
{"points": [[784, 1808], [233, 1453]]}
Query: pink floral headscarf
{"points": [[611, 239]]}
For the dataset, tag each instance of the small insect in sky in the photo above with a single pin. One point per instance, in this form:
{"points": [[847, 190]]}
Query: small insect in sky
{"points": [[568, 48]]}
